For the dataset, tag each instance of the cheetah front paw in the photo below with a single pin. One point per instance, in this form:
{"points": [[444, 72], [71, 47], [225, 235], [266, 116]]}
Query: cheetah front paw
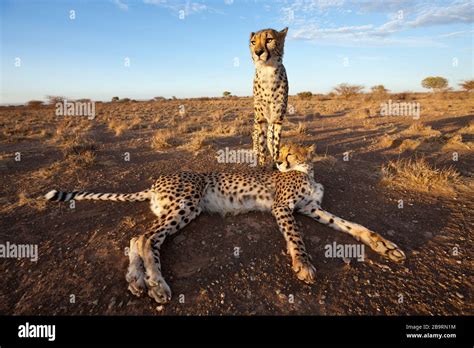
{"points": [[386, 248], [304, 270], [159, 290]]}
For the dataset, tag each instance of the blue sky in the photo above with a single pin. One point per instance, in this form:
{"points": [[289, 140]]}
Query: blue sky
{"points": [[192, 48]]}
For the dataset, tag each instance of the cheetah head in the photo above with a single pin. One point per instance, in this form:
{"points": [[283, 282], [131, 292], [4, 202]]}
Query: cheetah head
{"points": [[295, 157], [266, 46]]}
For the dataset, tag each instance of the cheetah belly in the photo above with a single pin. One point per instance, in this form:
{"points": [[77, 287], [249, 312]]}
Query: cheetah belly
{"points": [[217, 202]]}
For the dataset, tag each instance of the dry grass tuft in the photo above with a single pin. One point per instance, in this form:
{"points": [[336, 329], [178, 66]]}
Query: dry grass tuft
{"points": [[163, 139], [297, 129], [118, 126], [419, 175], [386, 141], [419, 128], [38, 204], [198, 141], [409, 144]]}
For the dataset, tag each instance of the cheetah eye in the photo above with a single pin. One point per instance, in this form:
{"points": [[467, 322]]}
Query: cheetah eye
{"points": [[252, 42], [269, 40]]}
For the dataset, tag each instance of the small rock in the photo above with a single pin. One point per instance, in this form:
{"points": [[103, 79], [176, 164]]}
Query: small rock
{"points": [[461, 296], [160, 308], [179, 239], [356, 278], [95, 303]]}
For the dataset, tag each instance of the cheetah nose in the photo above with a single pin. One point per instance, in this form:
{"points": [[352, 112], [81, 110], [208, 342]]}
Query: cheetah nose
{"points": [[259, 52], [279, 163]]}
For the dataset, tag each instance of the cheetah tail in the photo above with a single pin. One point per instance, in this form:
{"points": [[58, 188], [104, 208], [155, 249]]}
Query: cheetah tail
{"points": [[58, 196]]}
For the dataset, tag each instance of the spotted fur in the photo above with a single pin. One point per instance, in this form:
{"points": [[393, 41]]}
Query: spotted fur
{"points": [[179, 198], [270, 91]]}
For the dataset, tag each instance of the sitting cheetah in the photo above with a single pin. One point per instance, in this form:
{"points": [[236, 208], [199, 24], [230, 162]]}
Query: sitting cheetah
{"points": [[270, 91], [177, 199]]}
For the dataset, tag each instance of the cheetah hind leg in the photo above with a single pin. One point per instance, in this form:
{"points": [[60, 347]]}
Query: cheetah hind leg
{"points": [[150, 243]]}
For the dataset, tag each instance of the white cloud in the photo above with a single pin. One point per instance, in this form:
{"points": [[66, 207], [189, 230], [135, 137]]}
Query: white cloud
{"points": [[121, 5], [459, 12], [457, 33], [189, 7], [305, 18]]}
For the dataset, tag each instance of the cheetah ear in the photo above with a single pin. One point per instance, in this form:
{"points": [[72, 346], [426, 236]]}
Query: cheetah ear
{"points": [[310, 150], [251, 35], [283, 33]]}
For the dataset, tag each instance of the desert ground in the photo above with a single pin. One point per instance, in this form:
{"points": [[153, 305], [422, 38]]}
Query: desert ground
{"points": [[411, 180]]}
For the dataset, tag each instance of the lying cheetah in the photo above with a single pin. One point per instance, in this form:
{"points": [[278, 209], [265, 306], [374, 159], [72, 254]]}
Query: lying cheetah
{"points": [[270, 91], [177, 199]]}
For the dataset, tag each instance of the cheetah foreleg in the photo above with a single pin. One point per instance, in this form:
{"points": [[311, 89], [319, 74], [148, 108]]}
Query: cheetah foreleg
{"points": [[259, 137], [301, 260], [375, 241]]}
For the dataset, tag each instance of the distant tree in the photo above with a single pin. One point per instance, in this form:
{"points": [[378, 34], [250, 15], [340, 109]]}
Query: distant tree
{"points": [[305, 95], [379, 89], [346, 90], [35, 103], [435, 83], [124, 100], [226, 94], [53, 99], [115, 99], [467, 85], [159, 98]]}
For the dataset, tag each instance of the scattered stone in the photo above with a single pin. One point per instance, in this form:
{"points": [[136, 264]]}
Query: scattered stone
{"points": [[112, 303], [95, 303], [160, 308], [179, 239], [461, 296]]}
